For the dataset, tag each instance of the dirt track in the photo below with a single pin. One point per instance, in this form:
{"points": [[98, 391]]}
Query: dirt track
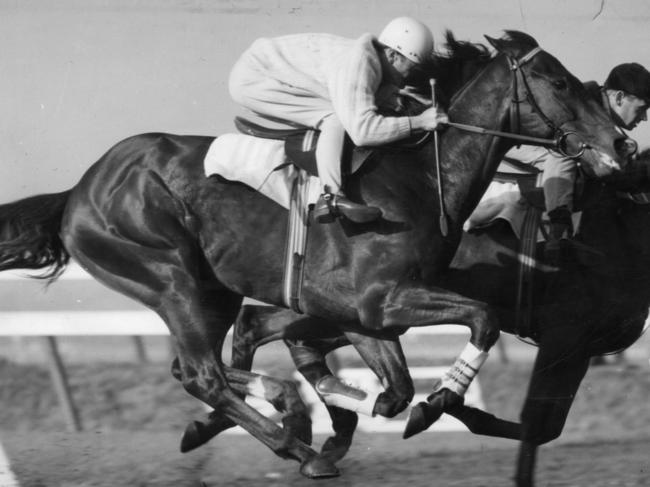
{"points": [[134, 416], [432, 460]]}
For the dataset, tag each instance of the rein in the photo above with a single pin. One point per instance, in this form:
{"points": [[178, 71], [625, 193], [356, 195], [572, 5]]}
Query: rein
{"points": [[558, 143]]}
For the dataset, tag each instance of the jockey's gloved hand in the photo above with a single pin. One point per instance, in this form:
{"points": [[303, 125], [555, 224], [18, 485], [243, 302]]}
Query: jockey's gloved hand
{"points": [[432, 118]]}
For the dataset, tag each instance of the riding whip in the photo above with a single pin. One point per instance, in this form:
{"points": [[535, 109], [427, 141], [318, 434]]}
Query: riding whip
{"points": [[442, 220]]}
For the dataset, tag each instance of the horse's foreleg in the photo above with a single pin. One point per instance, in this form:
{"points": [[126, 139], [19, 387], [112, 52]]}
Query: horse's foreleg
{"points": [[416, 305], [525, 476], [385, 358], [559, 368], [481, 423]]}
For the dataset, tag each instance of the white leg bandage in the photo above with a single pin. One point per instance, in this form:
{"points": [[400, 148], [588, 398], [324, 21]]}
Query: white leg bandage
{"points": [[467, 365], [256, 388], [333, 392]]}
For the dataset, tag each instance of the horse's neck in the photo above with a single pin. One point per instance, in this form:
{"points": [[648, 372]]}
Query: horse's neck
{"points": [[468, 160]]}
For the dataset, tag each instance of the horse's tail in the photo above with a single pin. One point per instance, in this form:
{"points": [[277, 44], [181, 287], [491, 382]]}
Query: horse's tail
{"points": [[30, 235]]}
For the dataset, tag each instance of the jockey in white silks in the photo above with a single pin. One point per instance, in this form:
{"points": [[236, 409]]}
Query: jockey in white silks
{"points": [[625, 95], [337, 85]]}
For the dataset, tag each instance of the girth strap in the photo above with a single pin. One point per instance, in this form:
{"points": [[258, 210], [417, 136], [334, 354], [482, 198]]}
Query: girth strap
{"points": [[526, 270], [296, 245]]}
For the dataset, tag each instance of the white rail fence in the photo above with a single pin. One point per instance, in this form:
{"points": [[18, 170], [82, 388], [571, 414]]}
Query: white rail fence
{"points": [[80, 306], [7, 477]]}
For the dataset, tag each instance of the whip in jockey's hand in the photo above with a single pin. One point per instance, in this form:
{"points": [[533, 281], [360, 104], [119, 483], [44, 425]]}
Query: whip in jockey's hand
{"points": [[331, 84], [430, 119]]}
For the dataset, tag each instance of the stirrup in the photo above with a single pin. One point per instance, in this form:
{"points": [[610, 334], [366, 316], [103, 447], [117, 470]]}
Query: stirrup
{"points": [[326, 211], [335, 205]]}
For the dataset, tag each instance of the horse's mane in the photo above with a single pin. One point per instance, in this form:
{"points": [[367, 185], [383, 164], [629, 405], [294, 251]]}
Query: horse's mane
{"points": [[458, 53], [459, 61]]}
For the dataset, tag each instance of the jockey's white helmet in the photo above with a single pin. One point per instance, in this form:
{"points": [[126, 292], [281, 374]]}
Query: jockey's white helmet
{"points": [[409, 37]]}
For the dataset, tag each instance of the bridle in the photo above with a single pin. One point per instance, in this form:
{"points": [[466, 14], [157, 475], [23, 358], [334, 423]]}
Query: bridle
{"points": [[558, 143]]}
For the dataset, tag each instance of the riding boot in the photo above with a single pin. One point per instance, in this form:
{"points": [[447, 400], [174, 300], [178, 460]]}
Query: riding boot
{"points": [[333, 203], [559, 233], [330, 206]]}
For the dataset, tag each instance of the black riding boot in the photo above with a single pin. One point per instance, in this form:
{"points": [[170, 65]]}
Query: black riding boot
{"points": [[559, 233], [330, 206]]}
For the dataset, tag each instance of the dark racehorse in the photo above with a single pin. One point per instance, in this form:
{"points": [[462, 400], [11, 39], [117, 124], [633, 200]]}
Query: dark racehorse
{"points": [[595, 303], [145, 221]]}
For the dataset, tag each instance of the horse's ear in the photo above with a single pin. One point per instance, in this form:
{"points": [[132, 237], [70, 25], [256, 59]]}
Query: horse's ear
{"points": [[495, 43]]}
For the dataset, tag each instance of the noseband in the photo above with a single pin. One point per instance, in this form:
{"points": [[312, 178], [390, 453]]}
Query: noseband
{"points": [[558, 143]]}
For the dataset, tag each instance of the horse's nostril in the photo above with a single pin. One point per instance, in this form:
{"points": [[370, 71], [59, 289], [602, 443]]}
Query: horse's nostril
{"points": [[626, 147]]}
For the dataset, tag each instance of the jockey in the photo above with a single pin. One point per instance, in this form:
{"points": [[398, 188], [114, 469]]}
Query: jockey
{"points": [[337, 85], [626, 96]]}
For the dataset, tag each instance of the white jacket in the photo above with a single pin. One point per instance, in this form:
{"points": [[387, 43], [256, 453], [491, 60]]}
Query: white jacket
{"points": [[320, 74]]}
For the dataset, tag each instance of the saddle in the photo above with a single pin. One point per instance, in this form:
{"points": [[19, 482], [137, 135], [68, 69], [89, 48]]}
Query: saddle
{"points": [[300, 145], [300, 150]]}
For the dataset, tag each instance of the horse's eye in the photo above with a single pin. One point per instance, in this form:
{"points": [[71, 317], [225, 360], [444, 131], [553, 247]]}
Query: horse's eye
{"points": [[560, 84]]}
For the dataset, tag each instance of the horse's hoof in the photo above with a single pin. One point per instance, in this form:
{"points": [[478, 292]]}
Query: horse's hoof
{"points": [[333, 450], [193, 436], [319, 468], [422, 416]]}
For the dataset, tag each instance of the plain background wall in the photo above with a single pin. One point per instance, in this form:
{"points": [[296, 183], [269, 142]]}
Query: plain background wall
{"points": [[78, 76]]}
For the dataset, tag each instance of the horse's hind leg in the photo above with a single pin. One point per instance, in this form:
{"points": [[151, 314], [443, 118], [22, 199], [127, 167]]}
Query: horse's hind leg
{"points": [[309, 358], [283, 395], [258, 325], [198, 326], [198, 433], [204, 377], [255, 326]]}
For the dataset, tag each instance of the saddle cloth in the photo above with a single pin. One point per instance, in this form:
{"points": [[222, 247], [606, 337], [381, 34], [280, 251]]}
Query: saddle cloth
{"points": [[500, 201], [504, 201], [258, 163]]}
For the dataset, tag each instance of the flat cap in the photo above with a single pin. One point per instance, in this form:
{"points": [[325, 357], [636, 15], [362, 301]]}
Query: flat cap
{"points": [[631, 78]]}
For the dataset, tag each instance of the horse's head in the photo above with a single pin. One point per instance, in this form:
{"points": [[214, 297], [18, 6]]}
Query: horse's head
{"points": [[548, 101]]}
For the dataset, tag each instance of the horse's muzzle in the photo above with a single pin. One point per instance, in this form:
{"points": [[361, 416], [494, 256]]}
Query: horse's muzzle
{"points": [[626, 147]]}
